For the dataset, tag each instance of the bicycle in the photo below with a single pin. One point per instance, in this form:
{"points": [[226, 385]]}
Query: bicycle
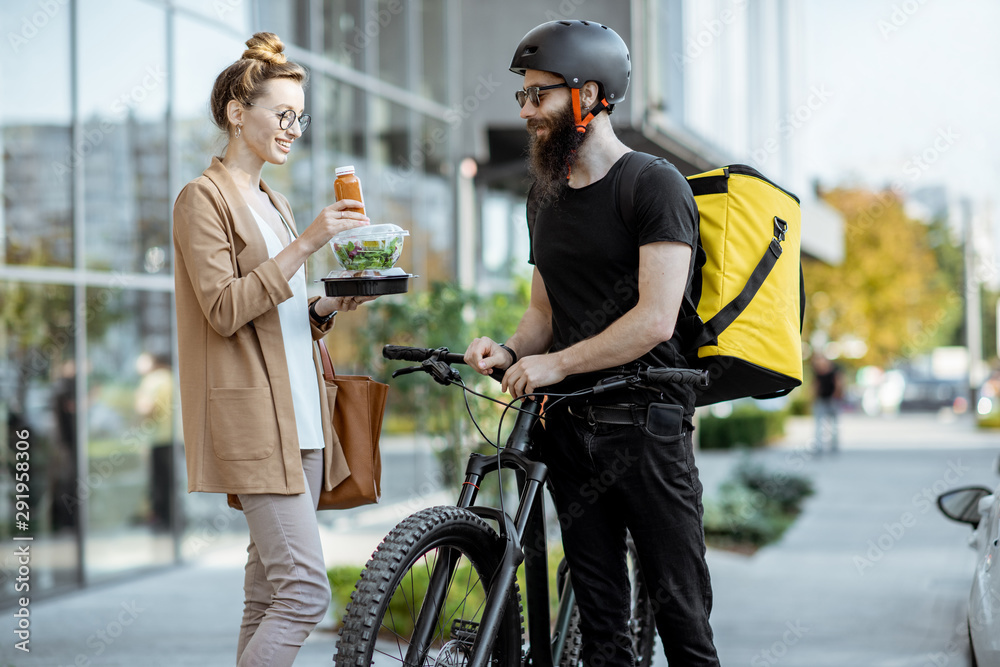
{"points": [[441, 588]]}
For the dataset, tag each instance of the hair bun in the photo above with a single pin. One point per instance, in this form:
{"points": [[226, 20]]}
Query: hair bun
{"points": [[266, 47]]}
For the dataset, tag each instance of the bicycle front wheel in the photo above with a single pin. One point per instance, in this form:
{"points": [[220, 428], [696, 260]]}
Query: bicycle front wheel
{"points": [[421, 597]]}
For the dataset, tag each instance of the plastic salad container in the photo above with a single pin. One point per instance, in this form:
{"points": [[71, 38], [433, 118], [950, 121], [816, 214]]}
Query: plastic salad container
{"points": [[371, 248]]}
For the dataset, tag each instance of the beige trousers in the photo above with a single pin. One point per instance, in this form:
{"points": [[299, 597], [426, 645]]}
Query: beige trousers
{"points": [[286, 588]]}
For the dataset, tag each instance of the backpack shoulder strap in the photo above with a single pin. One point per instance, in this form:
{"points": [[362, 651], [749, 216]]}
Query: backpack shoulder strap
{"points": [[634, 164]]}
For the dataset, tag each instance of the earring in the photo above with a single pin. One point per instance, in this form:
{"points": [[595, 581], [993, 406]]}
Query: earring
{"points": [[239, 131]]}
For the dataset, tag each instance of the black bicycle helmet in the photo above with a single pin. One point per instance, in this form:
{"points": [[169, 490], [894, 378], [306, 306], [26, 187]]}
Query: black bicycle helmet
{"points": [[578, 51]]}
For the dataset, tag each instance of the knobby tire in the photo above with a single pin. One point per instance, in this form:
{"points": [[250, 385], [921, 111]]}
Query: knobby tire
{"points": [[386, 601]]}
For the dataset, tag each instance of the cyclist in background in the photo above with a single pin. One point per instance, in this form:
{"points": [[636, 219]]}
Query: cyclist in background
{"points": [[605, 296]]}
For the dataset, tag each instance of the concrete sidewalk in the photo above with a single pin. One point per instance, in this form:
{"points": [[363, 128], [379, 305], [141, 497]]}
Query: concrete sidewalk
{"points": [[844, 586]]}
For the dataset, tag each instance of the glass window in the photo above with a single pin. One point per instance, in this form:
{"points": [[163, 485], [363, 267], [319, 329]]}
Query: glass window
{"points": [[130, 418], [344, 115], [195, 70], [123, 106], [389, 23], [391, 128], [233, 13], [36, 222], [288, 19], [433, 147], [344, 34], [38, 433], [433, 23]]}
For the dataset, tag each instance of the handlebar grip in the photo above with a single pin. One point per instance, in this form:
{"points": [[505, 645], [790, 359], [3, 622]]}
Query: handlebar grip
{"points": [[688, 376], [406, 353]]}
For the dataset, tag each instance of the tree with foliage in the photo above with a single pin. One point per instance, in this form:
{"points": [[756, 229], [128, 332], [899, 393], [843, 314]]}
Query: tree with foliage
{"points": [[443, 316], [890, 291]]}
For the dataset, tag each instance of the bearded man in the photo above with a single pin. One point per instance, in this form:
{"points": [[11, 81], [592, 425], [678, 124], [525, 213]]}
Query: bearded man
{"points": [[605, 295]]}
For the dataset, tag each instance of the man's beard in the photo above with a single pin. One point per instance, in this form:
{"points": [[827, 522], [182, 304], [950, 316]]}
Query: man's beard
{"points": [[550, 157]]}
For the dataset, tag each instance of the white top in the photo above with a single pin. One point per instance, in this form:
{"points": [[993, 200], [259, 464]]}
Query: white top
{"points": [[297, 335]]}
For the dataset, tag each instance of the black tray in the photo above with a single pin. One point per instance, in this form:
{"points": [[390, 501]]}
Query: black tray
{"points": [[368, 286]]}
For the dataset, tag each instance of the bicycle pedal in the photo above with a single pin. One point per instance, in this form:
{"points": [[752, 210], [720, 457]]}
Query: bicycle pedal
{"points": [[464, 631]]}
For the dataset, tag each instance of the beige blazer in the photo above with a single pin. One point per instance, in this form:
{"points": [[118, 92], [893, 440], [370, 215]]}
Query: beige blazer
{"points": [[236, 400]]}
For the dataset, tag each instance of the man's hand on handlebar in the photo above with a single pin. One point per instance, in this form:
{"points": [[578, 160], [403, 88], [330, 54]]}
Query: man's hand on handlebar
{"points": [[529, 373], [485, 354]]}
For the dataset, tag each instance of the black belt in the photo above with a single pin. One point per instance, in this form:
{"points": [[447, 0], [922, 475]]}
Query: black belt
{"points": [[608, 414]]}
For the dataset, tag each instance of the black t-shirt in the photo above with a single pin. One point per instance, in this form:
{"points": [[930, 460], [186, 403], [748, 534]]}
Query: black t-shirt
{"points": [[589, 260], [827, 382]]}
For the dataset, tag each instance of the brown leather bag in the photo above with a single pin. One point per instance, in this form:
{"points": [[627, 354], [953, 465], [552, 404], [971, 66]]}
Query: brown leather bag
{"points": [[357, 405]]}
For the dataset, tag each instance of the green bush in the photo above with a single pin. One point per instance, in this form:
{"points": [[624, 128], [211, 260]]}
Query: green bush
{"points": [[747, 426], [754, 507], [343, 579]]}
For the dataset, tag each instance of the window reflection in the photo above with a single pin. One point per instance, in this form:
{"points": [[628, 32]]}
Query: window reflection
{"points": [[344, 32], [130, 415], [123, 106], [346, 120], [36, 226], [389, 23], [433, 26], [195, 69], [37, 401], [233, 13]]}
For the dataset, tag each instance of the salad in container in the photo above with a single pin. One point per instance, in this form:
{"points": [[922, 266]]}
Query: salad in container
{"points": [[367, 256]]}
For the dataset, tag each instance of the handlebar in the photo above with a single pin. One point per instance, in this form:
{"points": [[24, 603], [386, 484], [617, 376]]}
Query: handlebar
{"points": [[404, 353], [435, 361]]}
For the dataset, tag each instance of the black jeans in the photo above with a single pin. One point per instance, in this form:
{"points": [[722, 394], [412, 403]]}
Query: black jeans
{"points": [[609, 478]]}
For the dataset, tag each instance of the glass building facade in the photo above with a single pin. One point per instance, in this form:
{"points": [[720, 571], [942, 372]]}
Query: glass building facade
{"points": [[103, 118]]}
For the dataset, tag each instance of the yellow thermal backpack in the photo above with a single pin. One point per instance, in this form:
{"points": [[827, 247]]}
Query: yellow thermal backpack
{"points": [[742, 316]]}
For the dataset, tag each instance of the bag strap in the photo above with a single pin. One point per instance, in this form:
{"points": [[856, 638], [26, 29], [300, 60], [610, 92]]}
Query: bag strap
{"points": [[328, 373], [633, 164], [728, 314]]}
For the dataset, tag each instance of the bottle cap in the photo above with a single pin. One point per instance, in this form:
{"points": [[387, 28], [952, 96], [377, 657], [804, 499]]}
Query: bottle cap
{"points": [[340, 171]]}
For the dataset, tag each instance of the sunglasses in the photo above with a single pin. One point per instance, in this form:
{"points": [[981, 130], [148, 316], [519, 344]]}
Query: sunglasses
{"points": [[531, 93]]}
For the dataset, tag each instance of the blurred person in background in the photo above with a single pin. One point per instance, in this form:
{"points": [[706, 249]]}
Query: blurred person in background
{"points": [[828, 391]]}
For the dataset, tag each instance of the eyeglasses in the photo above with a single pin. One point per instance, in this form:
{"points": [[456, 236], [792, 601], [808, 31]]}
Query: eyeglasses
{"points": [[531, 93], [287, 117]]}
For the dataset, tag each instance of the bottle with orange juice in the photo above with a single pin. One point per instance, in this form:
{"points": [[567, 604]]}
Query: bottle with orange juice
{"points": [[348, 186]]}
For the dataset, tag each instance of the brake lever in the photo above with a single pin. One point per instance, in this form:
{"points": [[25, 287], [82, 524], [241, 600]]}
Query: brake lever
{"points": [[407, 371]]}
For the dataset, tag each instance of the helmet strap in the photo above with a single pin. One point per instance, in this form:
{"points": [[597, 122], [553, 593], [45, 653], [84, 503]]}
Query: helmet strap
{"points": [[583, 121]]}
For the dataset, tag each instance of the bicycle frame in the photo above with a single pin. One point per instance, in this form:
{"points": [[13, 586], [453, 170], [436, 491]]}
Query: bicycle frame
{"points": [[525, 538], [524, 534]]}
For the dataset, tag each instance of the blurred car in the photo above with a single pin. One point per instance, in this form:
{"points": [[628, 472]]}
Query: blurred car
{"points": [[988, 402], [930, 394], [980, 508]]}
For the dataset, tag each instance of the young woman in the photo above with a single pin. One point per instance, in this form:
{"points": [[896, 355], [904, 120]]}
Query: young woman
{"points": [[256, 420]]}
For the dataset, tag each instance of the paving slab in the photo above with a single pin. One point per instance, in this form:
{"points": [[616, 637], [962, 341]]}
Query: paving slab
{"points": [[870, 574]]}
